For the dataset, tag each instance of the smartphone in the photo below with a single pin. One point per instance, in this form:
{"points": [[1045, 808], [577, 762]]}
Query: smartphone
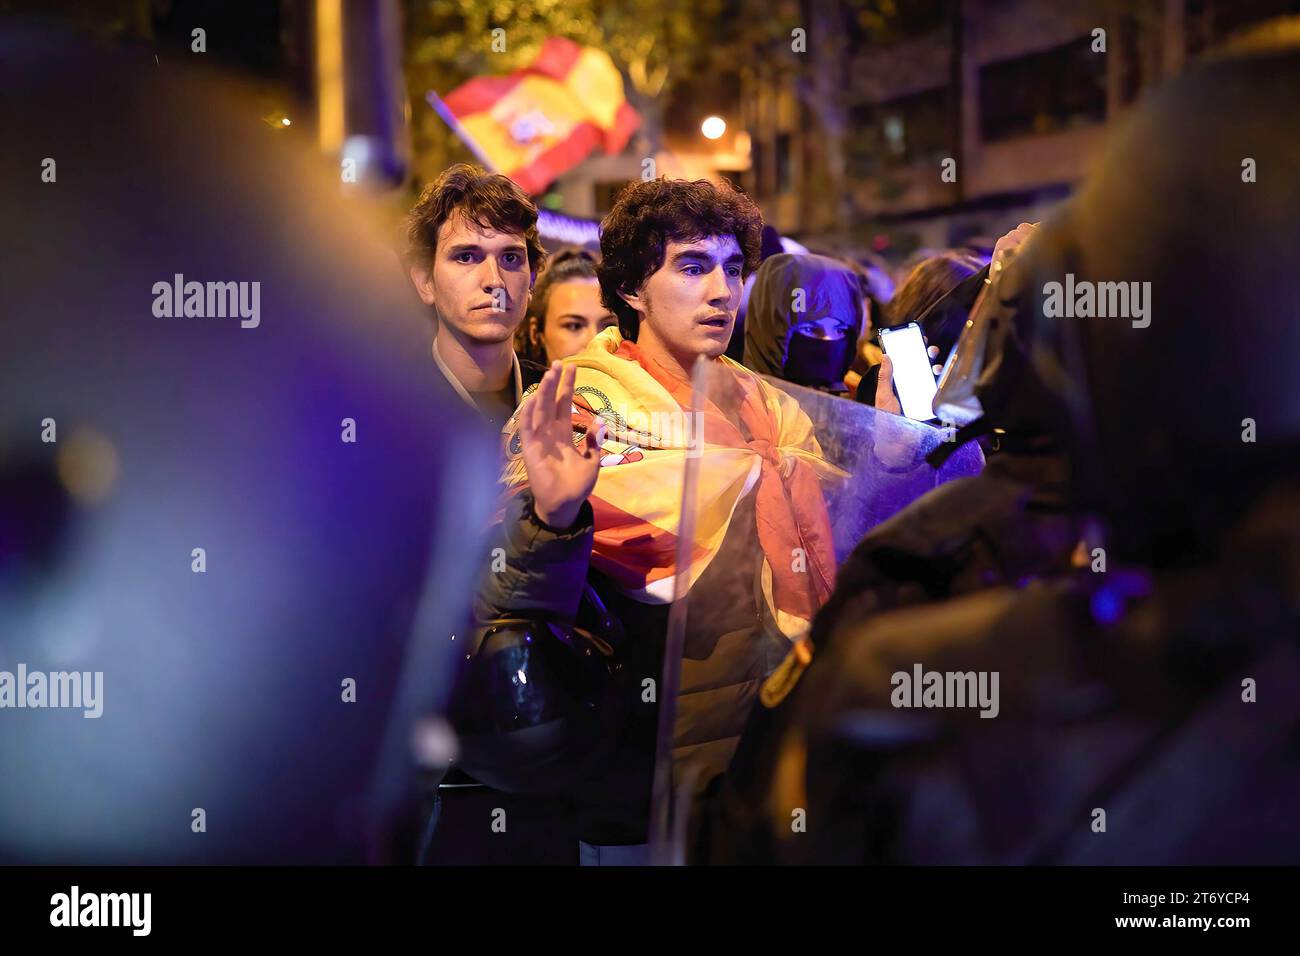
{"points": [[913, 375]]}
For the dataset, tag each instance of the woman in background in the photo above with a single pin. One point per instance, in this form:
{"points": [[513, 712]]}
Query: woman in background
{"points": [[927, 283], [565, 312]]}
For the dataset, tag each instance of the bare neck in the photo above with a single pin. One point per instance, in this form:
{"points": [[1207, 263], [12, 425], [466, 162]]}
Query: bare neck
{"points": [[478, 366], [679, 366]]}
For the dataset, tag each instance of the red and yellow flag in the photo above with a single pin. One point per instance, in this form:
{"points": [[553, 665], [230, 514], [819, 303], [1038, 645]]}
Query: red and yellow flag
{"points": [[637, 501], [542, 120]]}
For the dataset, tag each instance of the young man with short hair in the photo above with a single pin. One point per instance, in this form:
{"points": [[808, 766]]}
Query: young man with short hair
{"points": [[473, 254], [596, 469]]}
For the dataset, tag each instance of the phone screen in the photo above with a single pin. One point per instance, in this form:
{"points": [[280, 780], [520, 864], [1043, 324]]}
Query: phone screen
{"points": [[913, 376]]}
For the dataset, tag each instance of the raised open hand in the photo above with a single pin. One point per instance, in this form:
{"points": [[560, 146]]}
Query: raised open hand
{"points": [[560, 473]]}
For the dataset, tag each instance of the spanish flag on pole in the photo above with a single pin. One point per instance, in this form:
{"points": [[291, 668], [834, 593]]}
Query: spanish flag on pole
{"points": [[542, 120]]}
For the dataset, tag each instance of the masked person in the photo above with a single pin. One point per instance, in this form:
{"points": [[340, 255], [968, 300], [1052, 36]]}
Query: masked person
{"points": [[1125, 725], [473, 254], [597, 458], [805, 316]]}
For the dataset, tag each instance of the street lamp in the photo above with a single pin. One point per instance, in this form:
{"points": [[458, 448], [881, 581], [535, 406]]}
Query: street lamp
{"points": [[713, 127]]}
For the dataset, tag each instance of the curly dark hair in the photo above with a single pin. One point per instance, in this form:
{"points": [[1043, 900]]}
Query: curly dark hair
{"points": [[564, 266], [489, 200], [648, 215]]}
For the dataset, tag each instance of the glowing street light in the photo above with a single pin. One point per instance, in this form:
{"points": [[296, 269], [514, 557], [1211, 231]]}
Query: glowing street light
{"points": [[713, 127]]}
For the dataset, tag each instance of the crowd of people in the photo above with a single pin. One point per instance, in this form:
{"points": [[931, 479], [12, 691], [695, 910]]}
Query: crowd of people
{"points": [[784, 684], [263, 515], [826, 338], [583, 347]]}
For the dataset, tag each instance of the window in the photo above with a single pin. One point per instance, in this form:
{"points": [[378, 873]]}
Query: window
{"points": [[784, 173], [1043, 92], [907, 130]]}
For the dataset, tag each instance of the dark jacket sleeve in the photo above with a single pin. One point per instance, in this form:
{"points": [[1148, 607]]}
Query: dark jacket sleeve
{"points": [[866, 393], [535, 569]]}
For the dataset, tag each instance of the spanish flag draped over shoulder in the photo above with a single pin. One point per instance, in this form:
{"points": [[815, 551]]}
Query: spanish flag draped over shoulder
{"points": [[638, 494], [546, 118]]}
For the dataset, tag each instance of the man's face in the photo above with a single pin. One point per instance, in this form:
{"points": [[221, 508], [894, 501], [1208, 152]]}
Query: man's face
{"points": [[689, 303], [574, 314], [479, 282]]}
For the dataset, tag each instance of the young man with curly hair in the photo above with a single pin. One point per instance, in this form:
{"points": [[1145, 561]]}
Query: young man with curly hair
{"points": [[596, 460]]}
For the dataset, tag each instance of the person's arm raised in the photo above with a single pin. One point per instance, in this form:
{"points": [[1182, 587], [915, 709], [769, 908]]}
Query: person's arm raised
{"points": [[560, 474], [543, 546]]}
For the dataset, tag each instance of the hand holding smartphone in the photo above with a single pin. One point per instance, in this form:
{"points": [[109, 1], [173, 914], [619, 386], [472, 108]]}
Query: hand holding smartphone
{"points": [[913, 375]]}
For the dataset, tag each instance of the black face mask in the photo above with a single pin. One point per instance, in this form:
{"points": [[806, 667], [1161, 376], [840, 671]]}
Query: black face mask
{"points": [[819, 356]]}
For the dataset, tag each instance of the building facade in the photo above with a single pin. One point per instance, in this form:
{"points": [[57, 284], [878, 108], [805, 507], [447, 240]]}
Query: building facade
{"points": [[964, 118]]}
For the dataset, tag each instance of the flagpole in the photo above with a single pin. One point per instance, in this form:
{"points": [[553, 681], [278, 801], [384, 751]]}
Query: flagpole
{"points": [[449, 118], [668, 821]]}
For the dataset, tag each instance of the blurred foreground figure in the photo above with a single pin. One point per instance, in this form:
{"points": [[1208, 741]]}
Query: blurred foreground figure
{"points": [[1005, 526], [238, 513], [1139, 710]]}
